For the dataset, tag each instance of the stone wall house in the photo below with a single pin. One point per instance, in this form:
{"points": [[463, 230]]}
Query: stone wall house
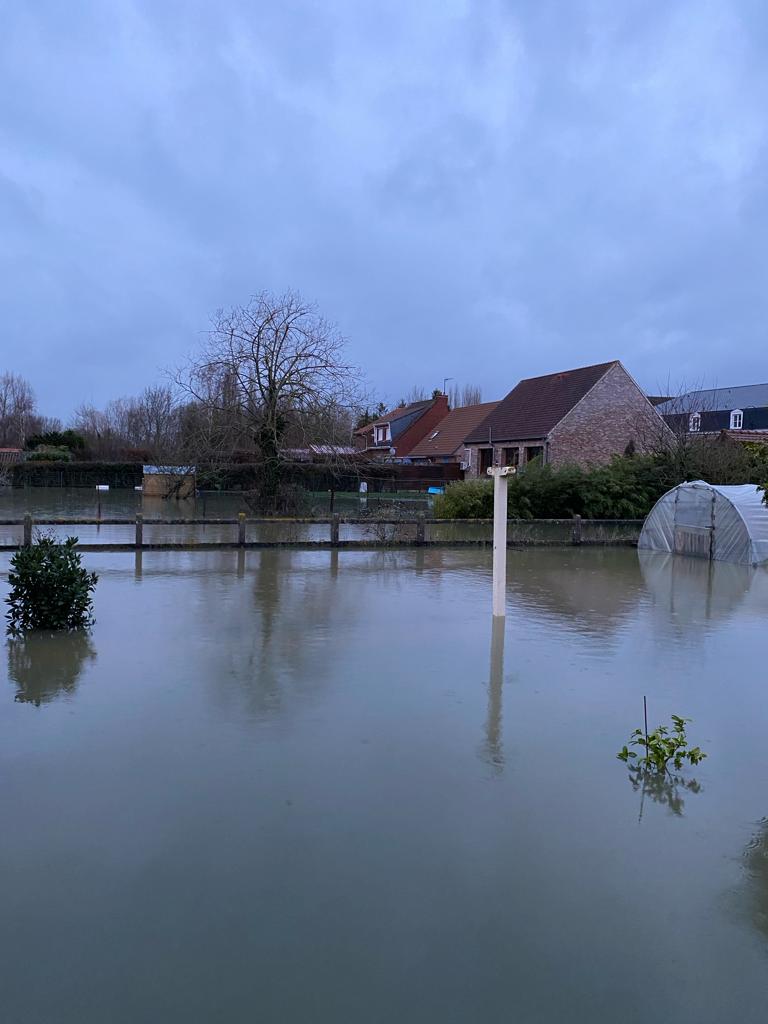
{"points": [[583, 416]]}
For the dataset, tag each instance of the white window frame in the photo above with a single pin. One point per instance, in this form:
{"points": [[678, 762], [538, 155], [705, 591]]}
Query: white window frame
{"points": [[694, 422], [737, 419]]}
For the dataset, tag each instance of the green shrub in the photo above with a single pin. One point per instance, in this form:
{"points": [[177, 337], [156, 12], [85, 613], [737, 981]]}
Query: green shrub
{"points": [[68, 439], [625, 488], [50, 589], [466, 499], [45, 453]]}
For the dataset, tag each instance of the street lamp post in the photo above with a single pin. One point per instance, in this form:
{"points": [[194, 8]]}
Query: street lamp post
{"points": [[500, 476]]}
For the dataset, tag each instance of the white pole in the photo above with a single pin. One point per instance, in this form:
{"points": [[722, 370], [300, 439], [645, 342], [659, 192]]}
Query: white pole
{"points": [[500, 474]]}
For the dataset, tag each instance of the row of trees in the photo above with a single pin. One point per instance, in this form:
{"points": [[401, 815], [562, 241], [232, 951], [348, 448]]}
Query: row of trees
{"points": [[271, 376]]}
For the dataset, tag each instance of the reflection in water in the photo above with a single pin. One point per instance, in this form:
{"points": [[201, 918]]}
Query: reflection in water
{"points": [[494, 750], [45, 665], [691, 590], [666, 790], [756, 861], [281, 637], [596, 595]]}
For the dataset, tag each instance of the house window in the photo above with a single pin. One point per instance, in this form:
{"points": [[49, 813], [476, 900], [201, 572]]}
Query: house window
{"points": [[486, 459], [535, 451], [382, 434], [694, 422], [510, 456], [737, 419]]}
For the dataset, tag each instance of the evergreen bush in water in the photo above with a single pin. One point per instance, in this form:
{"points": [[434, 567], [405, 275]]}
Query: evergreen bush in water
{"points": [[50, 589]]}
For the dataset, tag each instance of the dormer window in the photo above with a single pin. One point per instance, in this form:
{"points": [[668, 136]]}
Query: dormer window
{"points": [[382, 434], [737, 419], [694, 422]]}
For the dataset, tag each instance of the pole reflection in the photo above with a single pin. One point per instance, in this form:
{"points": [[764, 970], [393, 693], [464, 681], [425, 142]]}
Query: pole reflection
{"points": [[494, 746]]}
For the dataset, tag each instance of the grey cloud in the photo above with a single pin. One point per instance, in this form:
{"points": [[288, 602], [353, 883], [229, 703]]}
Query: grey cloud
{"points": [[482, 190]]}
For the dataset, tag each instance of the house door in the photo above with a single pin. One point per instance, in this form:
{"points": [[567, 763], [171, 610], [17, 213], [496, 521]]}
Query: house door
{"points": [[486, 460]]}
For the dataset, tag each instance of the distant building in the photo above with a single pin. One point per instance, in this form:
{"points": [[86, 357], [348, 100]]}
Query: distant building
{"points": [[735, 410], [446, 442], [395, 434], [10, 456], [583, 416], [169, 481], [321, 453]]}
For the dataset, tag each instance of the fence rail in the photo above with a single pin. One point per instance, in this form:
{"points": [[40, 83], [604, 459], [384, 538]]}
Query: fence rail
{"points": [[417, 531]]}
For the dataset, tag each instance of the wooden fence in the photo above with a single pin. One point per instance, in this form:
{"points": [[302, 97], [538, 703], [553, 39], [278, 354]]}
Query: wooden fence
{"points": [[418, 531]]}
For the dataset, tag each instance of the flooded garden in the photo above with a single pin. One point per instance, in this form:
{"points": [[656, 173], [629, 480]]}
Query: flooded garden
{"points": [[296, 785]]}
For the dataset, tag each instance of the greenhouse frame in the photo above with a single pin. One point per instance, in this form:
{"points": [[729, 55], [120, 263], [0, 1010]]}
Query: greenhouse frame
{"points": [[723, 523]]}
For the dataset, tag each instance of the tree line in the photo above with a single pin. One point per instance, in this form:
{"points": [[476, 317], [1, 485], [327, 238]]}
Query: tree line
{"points": [[271, 377]]}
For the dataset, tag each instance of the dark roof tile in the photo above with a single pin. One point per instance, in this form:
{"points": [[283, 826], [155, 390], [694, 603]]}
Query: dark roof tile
{"points": [[537, 404], [450, 432]]}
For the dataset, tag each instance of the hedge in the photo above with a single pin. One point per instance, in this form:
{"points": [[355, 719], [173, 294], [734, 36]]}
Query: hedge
{"points": [[76, 474]]}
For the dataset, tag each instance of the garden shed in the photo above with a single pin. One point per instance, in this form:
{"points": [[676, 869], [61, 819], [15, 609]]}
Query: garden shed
{"points": [[168, 481], [726, 523]]}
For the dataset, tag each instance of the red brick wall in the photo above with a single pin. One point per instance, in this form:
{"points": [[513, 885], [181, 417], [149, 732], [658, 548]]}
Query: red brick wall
{"points": [[424, 425], [614, 413]]}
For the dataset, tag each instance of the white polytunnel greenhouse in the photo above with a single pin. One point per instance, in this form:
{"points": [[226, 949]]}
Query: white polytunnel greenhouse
{"points": [[729, 524]]}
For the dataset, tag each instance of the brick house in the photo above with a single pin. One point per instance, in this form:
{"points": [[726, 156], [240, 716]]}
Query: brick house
{"points": [[446, 442], [583, 416], [395, 434]]}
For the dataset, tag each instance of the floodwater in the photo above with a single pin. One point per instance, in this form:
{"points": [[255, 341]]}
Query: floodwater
{"points": [[314, 786], [71, 503]]}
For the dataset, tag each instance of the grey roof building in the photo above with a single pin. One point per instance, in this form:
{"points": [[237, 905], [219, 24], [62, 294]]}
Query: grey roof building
{"points": [[710, 410]]}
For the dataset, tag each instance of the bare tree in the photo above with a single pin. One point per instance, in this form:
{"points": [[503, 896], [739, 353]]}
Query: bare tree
{"points": [[17, 407], [156, 418], [468, 394], [271, 370]]}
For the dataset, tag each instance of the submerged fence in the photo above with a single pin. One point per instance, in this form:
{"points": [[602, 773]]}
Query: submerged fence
{"points": [[336, 531]]}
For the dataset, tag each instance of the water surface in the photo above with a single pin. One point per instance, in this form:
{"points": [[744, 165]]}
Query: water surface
{"points": [[296, 786]]}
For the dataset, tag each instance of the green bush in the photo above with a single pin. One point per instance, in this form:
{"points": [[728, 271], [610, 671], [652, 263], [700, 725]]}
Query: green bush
{"points": [[50, 589], [465, 499], [68, 439], [626, 488], [46, 453]]}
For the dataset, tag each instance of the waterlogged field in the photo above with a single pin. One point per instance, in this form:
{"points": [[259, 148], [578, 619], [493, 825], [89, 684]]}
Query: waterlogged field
{"points": [[293, 786]]}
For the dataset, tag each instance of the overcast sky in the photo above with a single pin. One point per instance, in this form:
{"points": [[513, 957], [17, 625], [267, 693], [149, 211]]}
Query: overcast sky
{"points": [[484, 190]]}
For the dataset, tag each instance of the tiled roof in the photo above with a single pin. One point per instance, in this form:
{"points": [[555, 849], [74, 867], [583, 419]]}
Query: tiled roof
{"points": [[537, 404], [396, 414], [450, 432], [745, 396]]}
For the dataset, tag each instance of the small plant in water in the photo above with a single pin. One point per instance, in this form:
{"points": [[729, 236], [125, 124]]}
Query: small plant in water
{"points": [[50, 589], [662, 747], [650, 772]]}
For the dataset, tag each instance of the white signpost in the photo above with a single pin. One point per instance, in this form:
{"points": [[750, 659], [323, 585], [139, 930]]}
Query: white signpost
{"points": [[500, 475]]}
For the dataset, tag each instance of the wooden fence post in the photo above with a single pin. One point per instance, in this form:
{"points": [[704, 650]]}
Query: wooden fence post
{"points": [[576, 532], [27, 530], [139, 531], [335, 519], [420, 532], [241, 529]]}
